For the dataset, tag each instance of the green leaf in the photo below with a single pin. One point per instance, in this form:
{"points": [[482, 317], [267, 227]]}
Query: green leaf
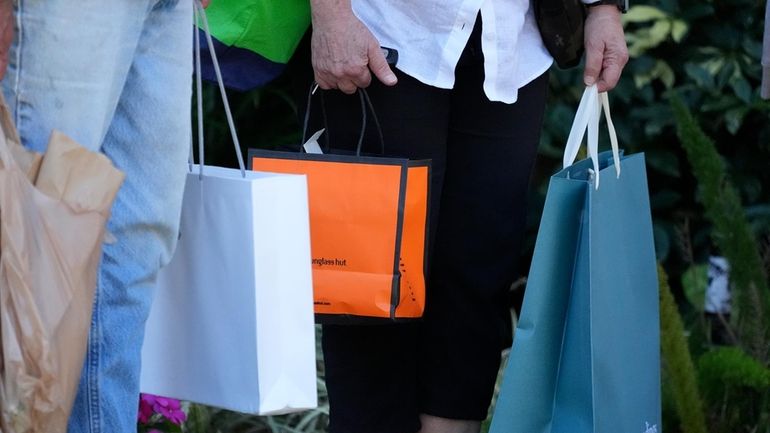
{"points": [[714, 65], [694, 283], [647, 38], [734, 119], [700, 75], [726, 73], [719, 105], [665, 73], [753, 48], [642, 13], [742, 89], [660, 71], [678, 30], [641, 80], [659, 32]]}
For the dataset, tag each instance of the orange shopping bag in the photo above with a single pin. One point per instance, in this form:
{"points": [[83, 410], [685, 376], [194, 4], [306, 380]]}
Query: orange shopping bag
{"points": [[368, 227]]}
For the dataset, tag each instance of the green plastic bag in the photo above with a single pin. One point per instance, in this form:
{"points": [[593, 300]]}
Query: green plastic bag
{"points": [[270, 28]]}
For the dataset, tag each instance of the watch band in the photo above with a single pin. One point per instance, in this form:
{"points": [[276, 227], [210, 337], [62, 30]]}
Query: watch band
{"points": [[622, 5]]}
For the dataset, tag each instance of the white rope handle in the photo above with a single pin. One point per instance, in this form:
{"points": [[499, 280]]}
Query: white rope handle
{"points": [[201, 13], [587, 118]]}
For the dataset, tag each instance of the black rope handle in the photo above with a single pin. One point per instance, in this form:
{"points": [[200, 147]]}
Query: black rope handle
{"points": [[366, 107]]}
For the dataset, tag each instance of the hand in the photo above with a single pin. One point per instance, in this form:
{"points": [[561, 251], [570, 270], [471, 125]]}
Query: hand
{"points": [[344, 52], [6, 33], [205, 3], [605, 44]]}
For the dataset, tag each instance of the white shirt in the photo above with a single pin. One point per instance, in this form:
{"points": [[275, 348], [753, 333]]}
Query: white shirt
{"points": [[430, 36]]}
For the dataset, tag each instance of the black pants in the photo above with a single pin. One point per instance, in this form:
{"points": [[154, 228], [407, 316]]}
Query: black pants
{"points": [[381, 377]]}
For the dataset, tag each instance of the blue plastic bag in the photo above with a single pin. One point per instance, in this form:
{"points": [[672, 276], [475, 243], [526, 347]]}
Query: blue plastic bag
{"points": [[586, 352]]}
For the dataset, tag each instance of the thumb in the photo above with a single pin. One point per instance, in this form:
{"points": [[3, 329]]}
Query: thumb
{"points": [[379, 66], [593, 64]]}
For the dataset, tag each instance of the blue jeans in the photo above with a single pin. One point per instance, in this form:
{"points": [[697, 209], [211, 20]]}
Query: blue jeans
{"points": [[115, 75]]}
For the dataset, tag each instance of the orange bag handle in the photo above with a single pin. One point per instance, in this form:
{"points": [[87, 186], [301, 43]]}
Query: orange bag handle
{"points": [[366, 102]]}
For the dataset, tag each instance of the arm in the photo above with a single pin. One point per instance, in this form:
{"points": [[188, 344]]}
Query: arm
{"points": [[344, 51], [6, 33], [605, 44]]}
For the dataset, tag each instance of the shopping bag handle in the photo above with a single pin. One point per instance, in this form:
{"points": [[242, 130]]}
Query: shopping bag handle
{"points": [[200, 15], [587, 117], [365, 101]]}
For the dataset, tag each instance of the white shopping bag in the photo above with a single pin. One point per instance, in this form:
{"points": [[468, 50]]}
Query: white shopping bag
{"points": [[232, 322]]}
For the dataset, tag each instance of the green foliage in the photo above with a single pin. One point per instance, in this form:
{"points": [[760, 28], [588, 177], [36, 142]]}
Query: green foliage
{"points": [[737, 388], [678, 362], [662, 27], [730, 367], [732, 233], [694, 283]]}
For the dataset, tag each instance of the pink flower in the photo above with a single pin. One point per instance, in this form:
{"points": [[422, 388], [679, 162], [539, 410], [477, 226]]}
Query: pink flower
{"points": [[169, 408], [146, 411]]}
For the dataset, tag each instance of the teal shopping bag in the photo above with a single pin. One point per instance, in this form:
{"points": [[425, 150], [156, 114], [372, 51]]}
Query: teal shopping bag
{"points": [[586, 357]]}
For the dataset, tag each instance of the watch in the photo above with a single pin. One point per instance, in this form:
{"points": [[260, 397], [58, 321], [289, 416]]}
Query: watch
{"points": [[621, 4]]}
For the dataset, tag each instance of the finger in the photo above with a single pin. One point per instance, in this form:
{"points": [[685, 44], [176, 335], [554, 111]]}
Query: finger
{"points": [[362, 79], [379, 66], [347, 86], [323, 83], [609, 77], [205, 3], [594, 57]]}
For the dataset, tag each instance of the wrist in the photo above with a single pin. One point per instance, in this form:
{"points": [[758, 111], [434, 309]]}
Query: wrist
{"points": [[329, 11], [608, 10], [620, 5]]}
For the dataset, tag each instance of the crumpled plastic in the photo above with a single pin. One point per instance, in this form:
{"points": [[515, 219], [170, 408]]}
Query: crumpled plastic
{"points": [[53, 212]]}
